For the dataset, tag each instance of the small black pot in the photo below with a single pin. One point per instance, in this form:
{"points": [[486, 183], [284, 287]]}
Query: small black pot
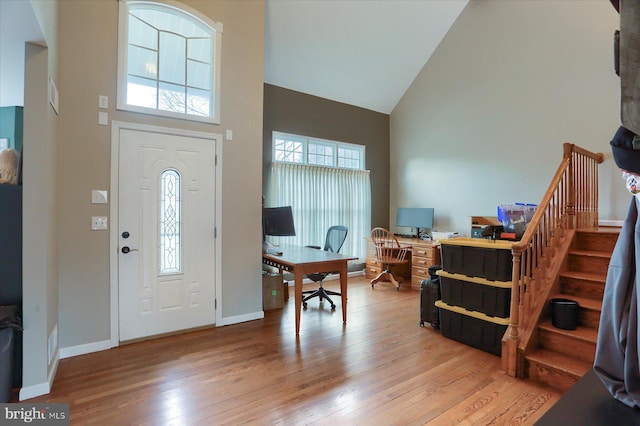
{"points": [[564, 313]]}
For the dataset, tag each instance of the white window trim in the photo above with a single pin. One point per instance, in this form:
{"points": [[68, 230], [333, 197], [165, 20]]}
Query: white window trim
{"points": [[305, 149], [123, 36]]}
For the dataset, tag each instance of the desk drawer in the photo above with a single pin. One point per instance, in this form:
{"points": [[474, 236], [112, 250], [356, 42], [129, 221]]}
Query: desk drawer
{"points": [[420, 272], [372, 271], [423, 262], [372, 268], [423, 252], [372, 262], [415, 282]]}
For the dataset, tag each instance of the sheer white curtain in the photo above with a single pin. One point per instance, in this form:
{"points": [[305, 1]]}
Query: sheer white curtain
{"points": [[321, 197]]}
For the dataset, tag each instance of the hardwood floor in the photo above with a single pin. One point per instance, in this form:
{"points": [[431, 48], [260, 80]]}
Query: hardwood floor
{"points": [[381, 368]]}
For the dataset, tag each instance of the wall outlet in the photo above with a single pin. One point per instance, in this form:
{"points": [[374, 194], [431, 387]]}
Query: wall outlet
{"points": [[103, 102], [99, 223]]}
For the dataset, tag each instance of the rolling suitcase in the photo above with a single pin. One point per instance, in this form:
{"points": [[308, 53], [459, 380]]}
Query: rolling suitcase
{"points": [[429, 293]]}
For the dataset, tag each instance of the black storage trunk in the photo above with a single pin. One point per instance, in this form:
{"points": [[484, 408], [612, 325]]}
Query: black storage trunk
{"points": [[475, 257], [429, 294], [452, 258], [492, 298], [492, 264], [472, 328]]}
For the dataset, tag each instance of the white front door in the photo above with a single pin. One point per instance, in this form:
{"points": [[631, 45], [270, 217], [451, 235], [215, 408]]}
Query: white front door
{"points": [[166, 186]]}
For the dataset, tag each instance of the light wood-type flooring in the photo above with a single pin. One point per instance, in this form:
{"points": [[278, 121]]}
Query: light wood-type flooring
{"points": [[381, 368]]}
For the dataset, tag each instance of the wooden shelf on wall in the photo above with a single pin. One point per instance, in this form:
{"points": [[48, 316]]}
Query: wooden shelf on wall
{"points": [[478, 223]]}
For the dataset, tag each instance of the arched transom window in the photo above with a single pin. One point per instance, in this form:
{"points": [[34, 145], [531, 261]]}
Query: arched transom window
{"points": [[169, 61]]}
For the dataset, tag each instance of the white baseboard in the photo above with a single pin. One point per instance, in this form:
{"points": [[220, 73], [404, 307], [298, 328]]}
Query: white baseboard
{"points": [[84, 349], [241, 318], [40, 389]]}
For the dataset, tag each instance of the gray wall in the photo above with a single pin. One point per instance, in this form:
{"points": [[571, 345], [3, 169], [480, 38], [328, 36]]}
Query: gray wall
{"points": [[40, 205], [88, 30], [66, 265], [294, 112], [484, 121]]}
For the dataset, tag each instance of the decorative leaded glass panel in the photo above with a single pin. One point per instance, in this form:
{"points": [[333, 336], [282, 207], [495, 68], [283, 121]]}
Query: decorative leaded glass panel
{"points": [[170, 246]]}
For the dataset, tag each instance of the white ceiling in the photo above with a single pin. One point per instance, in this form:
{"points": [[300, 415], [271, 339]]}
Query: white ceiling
{"points": [[360, 52], [18, 25]]}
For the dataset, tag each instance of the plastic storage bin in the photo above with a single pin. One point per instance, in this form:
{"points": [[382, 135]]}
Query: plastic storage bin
{"points": [[492, 298], [516, 217], [474, 257], [472, 328]]}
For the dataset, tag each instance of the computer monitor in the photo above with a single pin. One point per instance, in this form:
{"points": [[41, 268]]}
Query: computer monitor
{"points": [[416, 218], [278, 222]]}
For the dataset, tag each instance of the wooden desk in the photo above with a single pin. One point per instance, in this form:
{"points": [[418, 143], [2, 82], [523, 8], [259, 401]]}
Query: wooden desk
{"points": [[304, 260], [422, 255]]}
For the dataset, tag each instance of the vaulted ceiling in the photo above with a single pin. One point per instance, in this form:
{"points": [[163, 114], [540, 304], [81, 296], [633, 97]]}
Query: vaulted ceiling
{"points": [[360, 52]]}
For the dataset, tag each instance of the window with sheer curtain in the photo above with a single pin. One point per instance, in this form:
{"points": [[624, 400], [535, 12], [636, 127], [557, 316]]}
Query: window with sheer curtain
{"points": [[321, 195]]}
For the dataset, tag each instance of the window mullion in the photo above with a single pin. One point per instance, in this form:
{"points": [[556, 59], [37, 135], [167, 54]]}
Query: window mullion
{"points": [[305, 151], [186, 70], [158, 70]]}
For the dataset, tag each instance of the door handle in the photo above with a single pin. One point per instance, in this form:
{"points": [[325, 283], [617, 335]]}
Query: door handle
{"points": [[126, 249]]}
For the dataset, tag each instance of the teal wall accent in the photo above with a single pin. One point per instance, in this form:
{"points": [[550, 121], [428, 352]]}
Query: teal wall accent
{"points": [[11, 126]]}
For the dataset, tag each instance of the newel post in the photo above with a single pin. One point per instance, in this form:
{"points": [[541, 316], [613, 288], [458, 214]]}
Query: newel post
{"points": [[510, 359]]}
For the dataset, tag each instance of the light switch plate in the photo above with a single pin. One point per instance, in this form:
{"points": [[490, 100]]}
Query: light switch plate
{"points": [[99, 223], [229, 135], [99, 196], [103, 118]]}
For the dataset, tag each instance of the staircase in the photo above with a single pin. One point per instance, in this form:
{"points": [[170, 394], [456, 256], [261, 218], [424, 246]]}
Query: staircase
{"points": [[564, 356]]}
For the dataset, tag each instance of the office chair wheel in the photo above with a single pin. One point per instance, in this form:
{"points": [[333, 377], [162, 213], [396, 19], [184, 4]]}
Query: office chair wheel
{"points": [[333, 307], [304, 305]]}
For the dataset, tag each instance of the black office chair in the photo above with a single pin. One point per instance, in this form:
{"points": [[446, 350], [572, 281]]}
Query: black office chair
{"points": [[334, 241]]}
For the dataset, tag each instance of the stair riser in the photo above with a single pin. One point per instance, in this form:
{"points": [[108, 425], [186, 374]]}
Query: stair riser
{"points": [[576, 348], [557, 379], [589, 318], [582, 288], [590, 264], [595, 241]]}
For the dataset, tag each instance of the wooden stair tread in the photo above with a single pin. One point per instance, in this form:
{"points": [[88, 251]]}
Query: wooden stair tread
{"points": [[591, 253], [560, 362], [615, 230], [584, 302], [584, 276], [586, 334]]}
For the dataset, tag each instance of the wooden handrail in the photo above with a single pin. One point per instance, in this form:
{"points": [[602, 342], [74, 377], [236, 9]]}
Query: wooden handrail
{"points": [[570, 202]]}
